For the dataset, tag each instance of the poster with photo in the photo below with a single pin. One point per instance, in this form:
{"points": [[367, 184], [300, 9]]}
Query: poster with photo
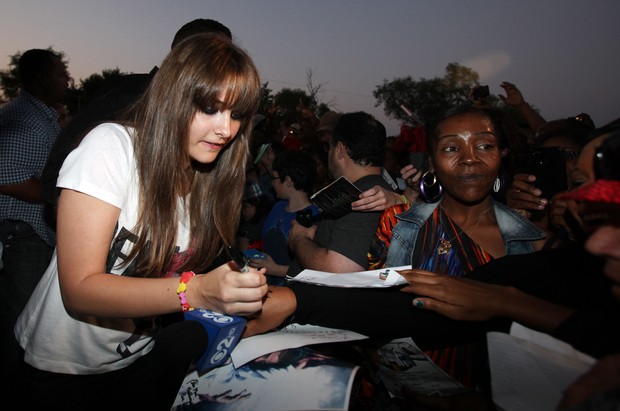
{"points": [[292, 379]]}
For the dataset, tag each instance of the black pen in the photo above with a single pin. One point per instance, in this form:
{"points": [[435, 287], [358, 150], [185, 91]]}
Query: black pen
{"points": [[242, 261]]}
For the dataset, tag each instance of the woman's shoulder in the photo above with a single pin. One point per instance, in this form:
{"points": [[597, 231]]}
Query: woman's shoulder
{"points": [[106, 133], [512, 224], [392, 215], [108, 138], [415, 213], [111, 129]]}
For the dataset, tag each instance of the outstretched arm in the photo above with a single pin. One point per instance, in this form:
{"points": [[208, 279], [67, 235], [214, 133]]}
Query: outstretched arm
{"points": [[515, 99], [313, 256], [279, 306], [377, 313], [470, 300]]}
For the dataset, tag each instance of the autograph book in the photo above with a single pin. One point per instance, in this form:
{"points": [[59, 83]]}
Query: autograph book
{"points": [[335, 199]]}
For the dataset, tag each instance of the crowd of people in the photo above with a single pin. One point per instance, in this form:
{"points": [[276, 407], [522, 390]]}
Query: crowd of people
{"points": [[115, 221]]}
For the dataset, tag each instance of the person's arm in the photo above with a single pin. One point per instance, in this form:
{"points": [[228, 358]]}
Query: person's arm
{"points": [[84, 232], [312, 256], [28, 191], [377, 198], [469, 300], [377, 313], [279, 306], [21, 157], [515, 99], [412, 176], [273, 268], [602, 378]]}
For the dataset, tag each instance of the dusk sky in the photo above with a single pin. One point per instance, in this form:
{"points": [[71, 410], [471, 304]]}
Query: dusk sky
{"points": [[562, 54]]}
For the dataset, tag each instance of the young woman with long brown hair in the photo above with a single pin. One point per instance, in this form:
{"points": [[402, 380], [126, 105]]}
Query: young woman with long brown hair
{"points": [[144, 203]]}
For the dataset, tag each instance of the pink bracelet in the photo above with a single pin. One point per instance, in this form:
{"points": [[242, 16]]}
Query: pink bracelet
{"points": [[185, 277]]}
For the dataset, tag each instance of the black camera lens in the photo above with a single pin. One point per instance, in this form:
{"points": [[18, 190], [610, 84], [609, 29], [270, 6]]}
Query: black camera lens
{"points": [[305, 217]]}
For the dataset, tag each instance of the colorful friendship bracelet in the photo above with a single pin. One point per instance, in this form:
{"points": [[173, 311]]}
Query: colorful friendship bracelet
{"points": [[185, 277]]}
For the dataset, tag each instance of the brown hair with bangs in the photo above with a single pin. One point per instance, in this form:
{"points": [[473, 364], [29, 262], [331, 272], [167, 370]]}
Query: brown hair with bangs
{"points": [[199, 72]]}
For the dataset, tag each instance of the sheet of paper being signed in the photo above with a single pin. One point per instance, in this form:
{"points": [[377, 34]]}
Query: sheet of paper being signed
{"points": [[385, 277]]}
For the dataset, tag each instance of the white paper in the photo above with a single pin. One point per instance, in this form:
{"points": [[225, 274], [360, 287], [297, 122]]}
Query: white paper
{"points": [[291, 336], [549, 342], [532, 374], [385, 277]]}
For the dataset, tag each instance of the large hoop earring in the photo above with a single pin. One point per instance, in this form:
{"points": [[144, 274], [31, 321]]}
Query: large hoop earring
{"points": [[430, 188]]}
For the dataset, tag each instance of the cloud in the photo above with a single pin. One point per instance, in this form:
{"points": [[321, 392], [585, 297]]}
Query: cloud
{"points": [[489, 65]]}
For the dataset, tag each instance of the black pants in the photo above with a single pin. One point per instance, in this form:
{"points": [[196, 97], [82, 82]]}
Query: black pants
{"points": [[25, 258], [150, 383]]}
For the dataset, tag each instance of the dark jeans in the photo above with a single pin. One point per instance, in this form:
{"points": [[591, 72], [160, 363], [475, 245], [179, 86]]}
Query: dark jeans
{"points": [[150, 383], [25, 258]]}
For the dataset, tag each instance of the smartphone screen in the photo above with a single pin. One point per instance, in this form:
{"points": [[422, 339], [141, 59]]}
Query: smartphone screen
{"points": [[548, 164]]}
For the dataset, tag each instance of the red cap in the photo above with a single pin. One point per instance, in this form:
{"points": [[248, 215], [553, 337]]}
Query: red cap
{"points": [[601, 191]]}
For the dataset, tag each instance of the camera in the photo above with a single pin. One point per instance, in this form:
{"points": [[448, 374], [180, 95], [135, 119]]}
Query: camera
{"points": [[480, 92]]}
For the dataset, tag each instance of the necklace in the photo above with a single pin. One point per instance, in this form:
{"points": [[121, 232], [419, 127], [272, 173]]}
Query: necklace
{"points": [[446, 245]]}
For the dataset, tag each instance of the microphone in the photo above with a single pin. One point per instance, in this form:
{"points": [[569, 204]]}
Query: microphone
{"points": [[224, 333]]}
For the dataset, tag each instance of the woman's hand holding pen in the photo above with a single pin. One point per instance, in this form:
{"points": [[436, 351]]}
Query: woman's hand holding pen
{"points": [[227, 290]]}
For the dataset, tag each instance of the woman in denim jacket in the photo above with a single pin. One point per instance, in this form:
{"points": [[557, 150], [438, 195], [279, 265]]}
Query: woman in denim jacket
{"points": [[460, 225]]}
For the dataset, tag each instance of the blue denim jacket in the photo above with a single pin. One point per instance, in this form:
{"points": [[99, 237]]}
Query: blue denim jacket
{"points": [[518, 232]]}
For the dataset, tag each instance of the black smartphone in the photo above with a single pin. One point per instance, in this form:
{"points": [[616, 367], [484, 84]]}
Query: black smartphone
{"points": [[418, 160], [548, 164]]}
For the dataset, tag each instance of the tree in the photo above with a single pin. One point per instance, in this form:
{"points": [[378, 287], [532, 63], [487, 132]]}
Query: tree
{"points": [[426, 97], [9, 79], [313, 90], [266, 98], [287, 101], [94, 83]]}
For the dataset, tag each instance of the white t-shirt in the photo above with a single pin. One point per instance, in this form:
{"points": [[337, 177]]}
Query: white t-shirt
{"points": [[103, 166]]}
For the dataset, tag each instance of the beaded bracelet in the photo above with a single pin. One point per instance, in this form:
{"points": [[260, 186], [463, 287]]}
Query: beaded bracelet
{"points": [[405, 201], [185, 277]]}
